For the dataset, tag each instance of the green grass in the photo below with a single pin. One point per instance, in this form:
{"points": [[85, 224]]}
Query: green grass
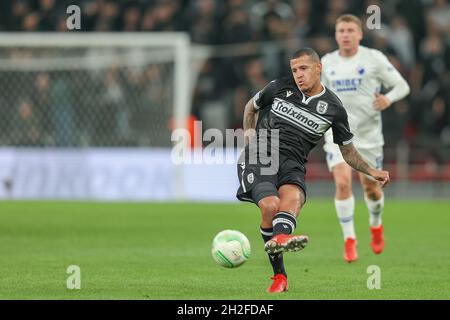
{"points": [[162, 251]]}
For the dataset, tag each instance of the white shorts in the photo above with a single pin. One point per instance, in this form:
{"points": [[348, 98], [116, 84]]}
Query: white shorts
{"points": [[373, 156]]}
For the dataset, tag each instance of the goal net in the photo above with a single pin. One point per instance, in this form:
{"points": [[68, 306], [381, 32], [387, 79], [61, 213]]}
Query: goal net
{"points": [[93, 90]]}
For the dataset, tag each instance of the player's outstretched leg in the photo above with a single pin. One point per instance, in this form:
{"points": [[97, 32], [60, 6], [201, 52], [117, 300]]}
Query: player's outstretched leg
{"points": [[285, 222]]}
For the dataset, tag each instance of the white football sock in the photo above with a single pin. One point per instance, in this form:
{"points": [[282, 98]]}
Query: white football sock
{"points": [[375, 210], [345, 210]]}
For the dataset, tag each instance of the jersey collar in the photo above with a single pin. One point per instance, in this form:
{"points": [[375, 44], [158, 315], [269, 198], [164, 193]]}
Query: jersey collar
{"points": [[306, 100], [351, 57]]}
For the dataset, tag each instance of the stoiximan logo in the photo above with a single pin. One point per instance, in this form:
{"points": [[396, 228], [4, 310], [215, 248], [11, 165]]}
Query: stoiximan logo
{"points": [[306, 120]]}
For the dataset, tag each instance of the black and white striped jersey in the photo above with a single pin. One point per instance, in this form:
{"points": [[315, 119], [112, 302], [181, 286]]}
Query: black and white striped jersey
{"points": [[301, 120]]}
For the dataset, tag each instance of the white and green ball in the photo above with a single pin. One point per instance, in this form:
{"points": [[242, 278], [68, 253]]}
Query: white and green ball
{"points": [[230, 248]]}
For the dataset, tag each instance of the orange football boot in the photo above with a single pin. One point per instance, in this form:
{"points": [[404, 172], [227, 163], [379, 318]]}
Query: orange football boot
{"points": [[285, 242], [377, 243], [350, 252], [279, 284]]}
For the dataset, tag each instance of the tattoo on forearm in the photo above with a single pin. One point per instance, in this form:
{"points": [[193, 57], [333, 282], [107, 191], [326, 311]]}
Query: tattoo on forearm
{"points": [[249, 116], [353, 158]]}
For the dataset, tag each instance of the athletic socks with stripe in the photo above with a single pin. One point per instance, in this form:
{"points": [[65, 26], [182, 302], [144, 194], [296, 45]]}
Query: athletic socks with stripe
{"points": [[283, 222], [276, 260]]}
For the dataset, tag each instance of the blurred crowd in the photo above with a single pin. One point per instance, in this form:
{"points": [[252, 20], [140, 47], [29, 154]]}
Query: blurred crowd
{"points": [[118, 104], [254, 39]]}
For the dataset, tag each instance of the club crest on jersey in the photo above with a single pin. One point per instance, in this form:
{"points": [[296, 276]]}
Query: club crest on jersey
{"points": [[322, 107], [250, 178]]}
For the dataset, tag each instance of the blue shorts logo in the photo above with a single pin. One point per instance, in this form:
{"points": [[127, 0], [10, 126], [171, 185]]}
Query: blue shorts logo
{"points": [[379, 163]]}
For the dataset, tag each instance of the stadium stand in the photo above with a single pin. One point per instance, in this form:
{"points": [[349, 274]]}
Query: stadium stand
{"points": [[415, 36]]}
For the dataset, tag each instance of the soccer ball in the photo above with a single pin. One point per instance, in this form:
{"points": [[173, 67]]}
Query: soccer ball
{"points": [[230, 248]]}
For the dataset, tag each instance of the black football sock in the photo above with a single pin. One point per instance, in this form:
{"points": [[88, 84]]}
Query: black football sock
{"points": [[276, 260], [283, 222]]}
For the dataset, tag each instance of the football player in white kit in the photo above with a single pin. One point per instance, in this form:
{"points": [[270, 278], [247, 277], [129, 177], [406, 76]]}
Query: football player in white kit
{"points": [[356, 73]]}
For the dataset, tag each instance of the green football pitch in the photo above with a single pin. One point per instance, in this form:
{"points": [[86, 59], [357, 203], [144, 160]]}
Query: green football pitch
{"points": [[162, 251]]}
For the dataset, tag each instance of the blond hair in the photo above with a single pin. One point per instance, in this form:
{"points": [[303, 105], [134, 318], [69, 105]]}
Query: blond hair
{"points": [[350, 18]]}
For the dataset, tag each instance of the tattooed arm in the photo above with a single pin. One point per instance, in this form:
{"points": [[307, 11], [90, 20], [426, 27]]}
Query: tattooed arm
{"points": [[250, 117], [354, 160]]}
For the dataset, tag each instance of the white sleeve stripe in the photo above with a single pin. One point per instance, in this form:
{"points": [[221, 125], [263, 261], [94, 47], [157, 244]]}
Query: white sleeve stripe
{"points": [[256, 97], [255, 105], [344, 143]]}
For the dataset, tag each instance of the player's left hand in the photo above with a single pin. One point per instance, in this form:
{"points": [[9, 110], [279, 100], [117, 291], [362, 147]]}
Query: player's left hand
{"points": [[381, 102], [381, 176]]}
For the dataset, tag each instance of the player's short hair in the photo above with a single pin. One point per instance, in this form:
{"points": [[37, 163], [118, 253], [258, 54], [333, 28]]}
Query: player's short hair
{"points": [[350, 18], [306, 52]]}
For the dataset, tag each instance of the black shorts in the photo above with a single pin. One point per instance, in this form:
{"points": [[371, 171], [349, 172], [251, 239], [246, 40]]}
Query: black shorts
{"points": [[256, 184]]}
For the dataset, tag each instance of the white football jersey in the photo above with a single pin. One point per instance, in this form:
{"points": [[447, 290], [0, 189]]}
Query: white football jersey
{"points": [[355, 80]]}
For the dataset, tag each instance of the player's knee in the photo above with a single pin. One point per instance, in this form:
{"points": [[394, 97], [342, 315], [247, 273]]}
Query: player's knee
{"points": [[343, 180], [269, 207], [372, 193], [343, 189]]}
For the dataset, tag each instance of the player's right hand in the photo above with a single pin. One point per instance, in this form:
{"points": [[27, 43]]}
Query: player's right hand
{"points": [[381, 102], [381, 176]]}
